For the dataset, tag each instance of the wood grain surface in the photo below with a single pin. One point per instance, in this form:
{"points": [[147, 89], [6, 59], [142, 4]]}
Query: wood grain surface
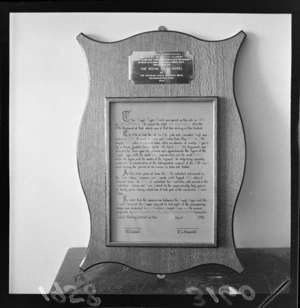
{"points": [[265, 270], [214, 64]]}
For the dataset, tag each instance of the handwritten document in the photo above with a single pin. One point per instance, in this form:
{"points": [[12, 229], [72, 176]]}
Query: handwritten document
{"points": [[162, 172]]}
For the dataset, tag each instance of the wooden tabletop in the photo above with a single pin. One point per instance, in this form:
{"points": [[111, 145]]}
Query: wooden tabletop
{"points": [[265, 271]]}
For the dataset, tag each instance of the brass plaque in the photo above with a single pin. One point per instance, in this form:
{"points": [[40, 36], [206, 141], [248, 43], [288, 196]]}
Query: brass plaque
{"points": [[146, 67]]}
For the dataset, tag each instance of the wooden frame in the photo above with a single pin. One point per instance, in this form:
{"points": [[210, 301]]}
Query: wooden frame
{"points": [[214, 64], [159, 100]]}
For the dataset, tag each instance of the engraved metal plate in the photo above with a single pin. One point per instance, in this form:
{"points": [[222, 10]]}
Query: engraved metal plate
{"points": [[146, 67]]}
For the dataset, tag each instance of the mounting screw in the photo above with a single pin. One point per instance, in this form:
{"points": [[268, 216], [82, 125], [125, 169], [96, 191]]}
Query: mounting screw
{"points": [[162, 28]]}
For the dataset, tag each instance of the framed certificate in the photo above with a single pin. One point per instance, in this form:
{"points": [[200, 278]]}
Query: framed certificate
{"points": [[161, 179]]}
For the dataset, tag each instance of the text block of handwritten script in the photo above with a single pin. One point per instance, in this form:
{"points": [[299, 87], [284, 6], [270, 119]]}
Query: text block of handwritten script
{"points": [[162, 172]]}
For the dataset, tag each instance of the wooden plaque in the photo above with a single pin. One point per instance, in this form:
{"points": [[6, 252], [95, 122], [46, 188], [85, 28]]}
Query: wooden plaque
{"points": [[161, 151]]}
